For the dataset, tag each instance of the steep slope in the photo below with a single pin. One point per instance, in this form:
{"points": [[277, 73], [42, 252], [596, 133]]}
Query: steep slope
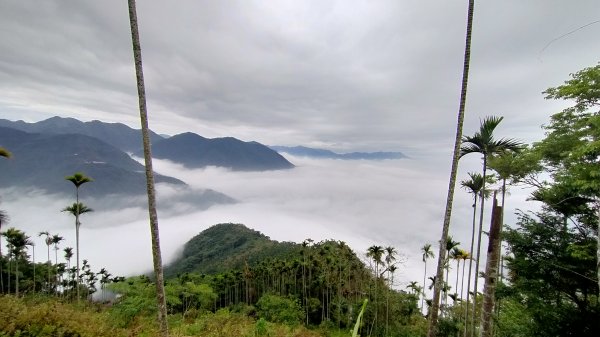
{"points": [[225, 247], [195, 151], [43, 160], [116, 134]]}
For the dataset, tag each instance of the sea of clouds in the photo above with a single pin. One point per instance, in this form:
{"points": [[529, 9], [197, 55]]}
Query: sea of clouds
{"points": [[397, 203]]}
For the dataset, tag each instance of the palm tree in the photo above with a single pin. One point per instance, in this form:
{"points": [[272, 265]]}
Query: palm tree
{"points": [[464, 257], [17, 242], [68, 255], [48, 241], [390, 257], [457, 255], [414, 286], [56, 239], [32, 244], [427, 253], [376, 253], [78, 179], [77, 209], [484, 143], [435, 303], [474, 186], [156, 254], [450, 245]]}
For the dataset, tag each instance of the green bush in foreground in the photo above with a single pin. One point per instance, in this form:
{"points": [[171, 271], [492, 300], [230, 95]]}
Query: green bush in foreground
{"points": [[49, 317]]}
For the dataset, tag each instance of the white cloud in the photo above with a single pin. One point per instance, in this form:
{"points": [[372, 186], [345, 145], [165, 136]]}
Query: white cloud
{"points": [[391, 203]]}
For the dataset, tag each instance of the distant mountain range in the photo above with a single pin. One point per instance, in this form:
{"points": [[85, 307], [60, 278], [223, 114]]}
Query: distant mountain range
{"points": [[195, 151], [44, 153], [188, 148], [43, 160], [116, 134], [302, 151]]}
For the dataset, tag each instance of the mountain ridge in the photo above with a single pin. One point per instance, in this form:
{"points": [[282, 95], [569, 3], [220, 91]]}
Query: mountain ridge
{"points": [[303, 151], [118, 135], [195, 151]]}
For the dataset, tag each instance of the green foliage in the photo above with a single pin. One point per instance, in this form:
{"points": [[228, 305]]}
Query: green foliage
{"points": [[184, 294], [137, 298], [552, 274], [49, 317], [225, 247], [280, 309], [359, 318]]}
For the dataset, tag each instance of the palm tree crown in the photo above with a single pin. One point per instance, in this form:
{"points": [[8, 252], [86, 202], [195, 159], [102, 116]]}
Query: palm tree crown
{"points": [[4, 152], [77, 208], [483, 141], [79, 179]]}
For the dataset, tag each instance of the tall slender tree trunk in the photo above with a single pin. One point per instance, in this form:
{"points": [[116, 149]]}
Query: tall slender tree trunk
{"points": [[424, 285], [33, 259], [457, 277], [477, 259], [17, 276], [491, 270], [462, 283], [156, 253], [433, 317], [77, 224], [468, 306]]}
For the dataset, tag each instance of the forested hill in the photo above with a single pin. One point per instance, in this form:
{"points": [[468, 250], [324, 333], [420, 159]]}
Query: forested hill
{"points": [[225, 247]]}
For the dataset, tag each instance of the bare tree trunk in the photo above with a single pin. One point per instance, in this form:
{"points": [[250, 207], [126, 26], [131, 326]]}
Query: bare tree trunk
{"points": [[478, 257], [468, 305], [491, 270], [433, 317], [156, 254]]}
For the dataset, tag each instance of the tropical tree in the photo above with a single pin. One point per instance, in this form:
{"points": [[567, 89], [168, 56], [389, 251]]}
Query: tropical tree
{"points": [[390, 258], [78, 179], [483, 142], [154, 233], [450, 245], [17, 242], [435, 303], [570, 149], [427, 253], [473, 185], [56, 239], [76, 210], [48, 241]]}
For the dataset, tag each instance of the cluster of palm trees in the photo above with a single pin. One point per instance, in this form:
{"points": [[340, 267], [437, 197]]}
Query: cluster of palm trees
{"points": [[484, 143], [57, 279], [18, 244]]}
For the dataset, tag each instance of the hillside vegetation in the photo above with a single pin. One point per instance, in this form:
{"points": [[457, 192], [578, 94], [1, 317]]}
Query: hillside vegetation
{"points": [[225, 247]]}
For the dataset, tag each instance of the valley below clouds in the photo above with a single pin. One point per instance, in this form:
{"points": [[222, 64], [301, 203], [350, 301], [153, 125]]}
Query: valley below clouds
{"points": [[390, 203]]}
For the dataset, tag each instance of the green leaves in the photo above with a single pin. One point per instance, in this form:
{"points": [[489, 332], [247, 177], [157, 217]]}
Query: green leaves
{"points": [[583, 88]]}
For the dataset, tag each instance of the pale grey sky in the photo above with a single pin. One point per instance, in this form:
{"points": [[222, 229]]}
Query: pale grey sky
{"points": [[346, 75]]}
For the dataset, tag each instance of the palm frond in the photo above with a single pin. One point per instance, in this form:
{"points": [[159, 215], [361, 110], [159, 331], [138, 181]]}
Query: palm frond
{"points": [[5, 153]]}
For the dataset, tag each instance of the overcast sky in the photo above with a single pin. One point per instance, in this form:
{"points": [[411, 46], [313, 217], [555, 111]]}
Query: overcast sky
{"points": [[343, 75], [346, 75]]}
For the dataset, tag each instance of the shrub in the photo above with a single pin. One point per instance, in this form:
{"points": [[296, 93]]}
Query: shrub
{"points": [[280, 309]]}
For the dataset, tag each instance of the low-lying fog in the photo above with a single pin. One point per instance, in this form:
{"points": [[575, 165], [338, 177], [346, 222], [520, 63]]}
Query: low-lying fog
{"points": [[390, 203]]}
